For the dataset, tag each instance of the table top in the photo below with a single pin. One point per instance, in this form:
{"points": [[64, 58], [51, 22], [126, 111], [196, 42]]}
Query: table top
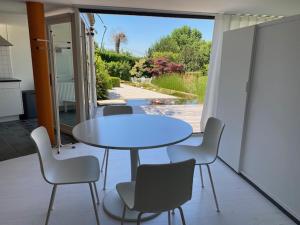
{"points": [[135, 131]]}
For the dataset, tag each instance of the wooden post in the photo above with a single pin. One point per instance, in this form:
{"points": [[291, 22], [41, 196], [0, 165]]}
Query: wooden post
{"points": [[40, 66]]}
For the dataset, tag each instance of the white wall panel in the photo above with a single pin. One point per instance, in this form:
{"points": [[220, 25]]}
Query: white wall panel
{"points": [[235, 71], [271, 154]]}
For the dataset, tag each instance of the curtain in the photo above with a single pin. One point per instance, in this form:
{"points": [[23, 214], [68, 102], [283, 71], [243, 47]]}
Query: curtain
{"points": [[223, 23]]}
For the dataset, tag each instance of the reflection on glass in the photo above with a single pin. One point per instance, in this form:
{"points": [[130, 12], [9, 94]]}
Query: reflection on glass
{"points": [[63, 56]]}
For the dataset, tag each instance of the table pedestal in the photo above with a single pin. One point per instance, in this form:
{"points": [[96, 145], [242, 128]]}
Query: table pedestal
{"points": [[113, 206]]}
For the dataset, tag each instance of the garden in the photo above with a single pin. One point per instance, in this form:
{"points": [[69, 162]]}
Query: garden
{"points": [[176, 64]]}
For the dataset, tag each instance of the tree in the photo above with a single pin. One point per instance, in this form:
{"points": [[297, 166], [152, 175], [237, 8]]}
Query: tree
{"points": [[155, 67], [164, 66], [173, 57], [165, 44], [118, 39], [187, 45]]}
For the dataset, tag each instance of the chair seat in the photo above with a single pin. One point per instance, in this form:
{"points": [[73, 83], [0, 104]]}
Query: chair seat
{"points": [[126, 192], [83, 169], [178, 153]]}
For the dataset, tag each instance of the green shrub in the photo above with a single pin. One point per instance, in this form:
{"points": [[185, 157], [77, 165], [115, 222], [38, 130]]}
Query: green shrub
{"points": [[119, 69], [184, 83], [111, 56], [171, 81], [142, 68], [198, 73], [204, 70], [115, 81], [201, 87], [103, 82]]}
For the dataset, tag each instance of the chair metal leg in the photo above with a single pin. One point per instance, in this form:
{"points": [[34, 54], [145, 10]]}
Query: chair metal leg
{"points": [[139, 161], [51, 203], [181, 215], [94, 203], [103, 160], [105, 174], [139, 219], [123, 215], [213, 188], [169, 218], [201, 175], [54, 194], [96, 192]]}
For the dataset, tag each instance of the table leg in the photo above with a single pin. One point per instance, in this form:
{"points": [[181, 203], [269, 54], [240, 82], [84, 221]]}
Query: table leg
{"points": [[113, 205], [134, 163]]}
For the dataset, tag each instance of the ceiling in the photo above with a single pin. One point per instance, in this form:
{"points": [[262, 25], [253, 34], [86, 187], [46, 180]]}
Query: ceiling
{"points": [[269, 7]]}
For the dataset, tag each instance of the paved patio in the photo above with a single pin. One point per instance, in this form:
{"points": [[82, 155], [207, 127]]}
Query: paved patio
{"points": [[191, 113], [130, 92]]}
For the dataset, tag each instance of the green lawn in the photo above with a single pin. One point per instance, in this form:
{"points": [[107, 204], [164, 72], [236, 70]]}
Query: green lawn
{"points": [[184, 83]]}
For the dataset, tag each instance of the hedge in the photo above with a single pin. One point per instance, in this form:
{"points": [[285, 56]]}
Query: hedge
{"points": [[110, 56], [115, 81], [103, 82], [119, 69]]}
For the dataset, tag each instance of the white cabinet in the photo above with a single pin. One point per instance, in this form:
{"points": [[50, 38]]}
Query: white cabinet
{"points": [[11, 105]]}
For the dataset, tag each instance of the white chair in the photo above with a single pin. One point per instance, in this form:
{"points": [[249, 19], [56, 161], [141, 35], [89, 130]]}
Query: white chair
{"points": [[204, 154], [83, 169], [158, 188], [110, 111]]}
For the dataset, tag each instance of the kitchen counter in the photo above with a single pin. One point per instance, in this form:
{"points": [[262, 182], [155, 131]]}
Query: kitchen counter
{"points": [[9, 80]]}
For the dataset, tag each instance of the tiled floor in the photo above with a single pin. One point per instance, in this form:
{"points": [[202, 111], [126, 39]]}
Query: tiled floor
{"points": [[24, 195], [15, 138]]}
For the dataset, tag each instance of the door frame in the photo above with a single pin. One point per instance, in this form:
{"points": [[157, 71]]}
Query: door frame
{"points": [[86, 69]]}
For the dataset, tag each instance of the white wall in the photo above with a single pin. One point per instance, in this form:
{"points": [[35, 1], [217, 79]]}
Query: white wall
{"points": [[18, 35], [271, 154]]}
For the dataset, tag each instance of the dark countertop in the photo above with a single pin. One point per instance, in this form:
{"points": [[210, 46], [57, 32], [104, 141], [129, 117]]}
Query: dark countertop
{"points": [[9, 80]]}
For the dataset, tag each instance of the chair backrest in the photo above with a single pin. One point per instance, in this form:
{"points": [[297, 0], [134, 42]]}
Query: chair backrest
{"points": [[117, 110], [43, 144], [212, 136], [163, 187]]}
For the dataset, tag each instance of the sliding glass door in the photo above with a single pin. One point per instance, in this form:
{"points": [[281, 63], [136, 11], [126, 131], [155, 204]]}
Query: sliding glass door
{"points": [[64, 76]]}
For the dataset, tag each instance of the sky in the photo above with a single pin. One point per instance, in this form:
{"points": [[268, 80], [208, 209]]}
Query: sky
{"points": [[143, 31]]}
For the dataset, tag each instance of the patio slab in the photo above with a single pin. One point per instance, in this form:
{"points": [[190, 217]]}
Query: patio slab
{"points": [[190, 113], [130, 92], [111, 102]]}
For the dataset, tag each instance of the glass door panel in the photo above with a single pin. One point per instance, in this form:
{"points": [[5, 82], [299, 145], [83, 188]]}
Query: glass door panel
{"points": [[64, 73]]}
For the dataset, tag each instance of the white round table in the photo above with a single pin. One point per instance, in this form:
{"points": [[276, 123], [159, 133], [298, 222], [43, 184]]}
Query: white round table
{"points": [[130, 132]]}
